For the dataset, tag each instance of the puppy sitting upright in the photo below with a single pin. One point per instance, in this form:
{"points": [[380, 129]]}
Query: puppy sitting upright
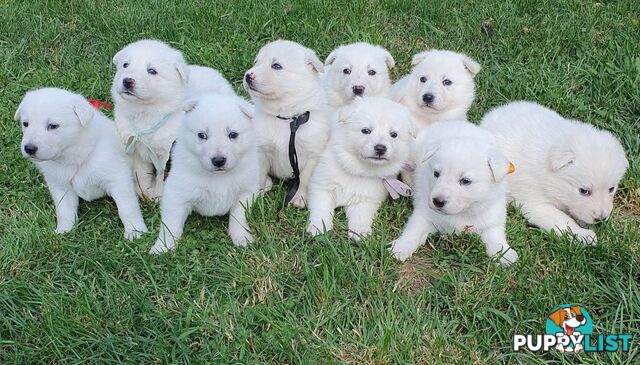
{"points": [[439, 88], [370, 142], [568, 171], [459, 188], [357, 69], [285, 86], [77, 150], [151, 83], [214, 169]]}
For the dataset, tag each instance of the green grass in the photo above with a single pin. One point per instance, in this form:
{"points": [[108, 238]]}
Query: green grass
{"points": [[92, 297]]}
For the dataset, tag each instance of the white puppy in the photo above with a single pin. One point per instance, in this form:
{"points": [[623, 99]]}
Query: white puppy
{"points": [[568, 171], [78, 151], [152, 81], [459, 188], [214, 168], [357, 69], [284, 83], [370, 142], [439, 88]]}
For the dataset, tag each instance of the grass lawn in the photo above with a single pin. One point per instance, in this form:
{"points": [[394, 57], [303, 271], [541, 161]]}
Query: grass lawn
{"points": [[92, 297]]}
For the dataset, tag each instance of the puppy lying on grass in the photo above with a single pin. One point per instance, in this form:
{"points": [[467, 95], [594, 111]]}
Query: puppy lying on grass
{"points": [[459, 188], [370, 142], [214, 169], [78, 151]]}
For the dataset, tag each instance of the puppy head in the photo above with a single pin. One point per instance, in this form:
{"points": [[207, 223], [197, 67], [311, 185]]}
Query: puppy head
{"points": [[461, 172], [217, 131], [282, 70], [442, 81], [359, 69], [373, 136], [587, 171], [568, 317], [52, 120], [149, 72]]}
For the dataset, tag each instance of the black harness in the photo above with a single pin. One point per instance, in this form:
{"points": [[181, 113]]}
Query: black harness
{"points": [[296, 122]]}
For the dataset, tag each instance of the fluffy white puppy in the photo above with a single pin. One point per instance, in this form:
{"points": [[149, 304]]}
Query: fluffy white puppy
{"points": [[151, 84], [78, 151], [439, 88], [459, 188], [214, 168], [357, 69], [284, 83], [369, 142], [568, 171]]}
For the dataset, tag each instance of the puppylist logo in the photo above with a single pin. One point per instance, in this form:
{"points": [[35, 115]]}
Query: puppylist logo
{"points": [[569, 328]]}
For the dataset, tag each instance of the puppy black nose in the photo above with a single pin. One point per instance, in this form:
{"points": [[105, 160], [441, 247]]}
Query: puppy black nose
{"points": [[128, 83], [603, 217], [380, 149], [580, 317], [30, 149], [249, 77], [218, 161], [428, 98], [439, 203], [358, 90]]}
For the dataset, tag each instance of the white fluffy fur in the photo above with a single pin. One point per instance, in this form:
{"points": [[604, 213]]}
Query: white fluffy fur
{"points": [[450, 102], [349, 173], [80, 158], [194, 183], [285, 92], [458, 150], [356, 65], [154, 97], [555, 157]]}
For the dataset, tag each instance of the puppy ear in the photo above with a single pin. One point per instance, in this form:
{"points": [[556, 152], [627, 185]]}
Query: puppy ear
{"points": [[313, 60], [247, 109], [116, 57], [388, 59], [17, 115], [472, 66], [83, 111], [332, 56], [418, 58], [576, 309], [559, 157], [189, 106], [557, 317], [498, 164], [183, 71]]}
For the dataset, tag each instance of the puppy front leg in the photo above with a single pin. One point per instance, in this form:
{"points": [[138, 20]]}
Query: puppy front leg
{"points": [[360, 218], [143, 173], [413, 236], [496, 244], [66, 203], [173, 212], [128, 209], [321, 208], [300, 199], [550, 218], [239, 230]]}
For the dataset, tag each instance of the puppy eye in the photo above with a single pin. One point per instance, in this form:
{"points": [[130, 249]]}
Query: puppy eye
{"points": [[612, 189], [365, 131], [152, 71], [52, 126], [202, 135], [584, 192], [393, 134], [436, 174], [276, 66], [125, 65], [346, 71], [423, 79], [25, 124], [371, 72], [233, 135], [464, 181], [446, 82]]}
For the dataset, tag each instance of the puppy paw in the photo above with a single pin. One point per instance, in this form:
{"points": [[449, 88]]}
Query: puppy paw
{"points": [[299, 201], [242, 239], [268, 184], [509, 257], [400, 250], [313, 230], [132, 234], [160, 247], [64, 228], [358, 235], [586, 236]]}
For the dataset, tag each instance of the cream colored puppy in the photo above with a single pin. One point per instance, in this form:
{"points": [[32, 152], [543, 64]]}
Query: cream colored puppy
{"points": [[77, 150], [439, 88], [568, 171], [369, 142], [285, 83], [214, 168], [356, 70], [151, 84], [459, 188]]}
